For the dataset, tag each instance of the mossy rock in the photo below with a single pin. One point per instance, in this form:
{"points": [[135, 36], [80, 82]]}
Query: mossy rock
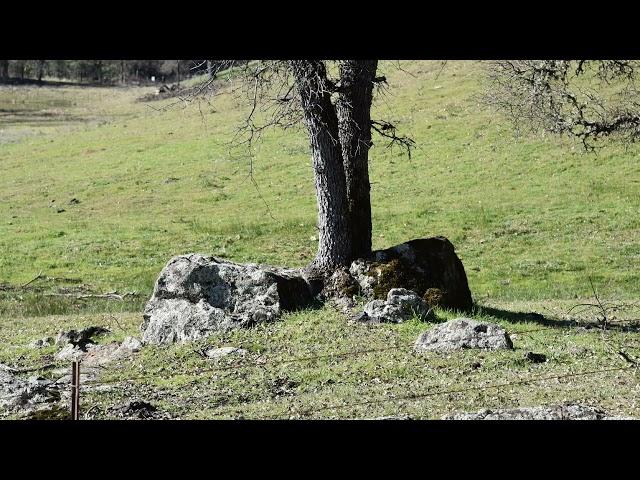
{"points": [[395, 274], [428, 266], [433, 297]]}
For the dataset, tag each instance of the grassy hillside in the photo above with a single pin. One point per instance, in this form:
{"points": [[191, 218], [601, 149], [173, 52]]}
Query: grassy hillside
{"points": [[531, 218]]}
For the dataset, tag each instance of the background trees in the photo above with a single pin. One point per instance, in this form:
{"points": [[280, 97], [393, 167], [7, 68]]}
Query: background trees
{"points": [[103, 71]]}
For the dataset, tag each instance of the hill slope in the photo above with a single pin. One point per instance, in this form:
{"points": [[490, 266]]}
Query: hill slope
{"points": [[98, 191], [530, 218]]}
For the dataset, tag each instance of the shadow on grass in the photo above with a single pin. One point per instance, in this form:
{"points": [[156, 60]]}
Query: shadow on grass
{"points": [[37, 117], [537, 318]]}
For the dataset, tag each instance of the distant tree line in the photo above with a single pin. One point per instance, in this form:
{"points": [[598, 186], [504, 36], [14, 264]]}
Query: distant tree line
{"points": [[107, 71]]}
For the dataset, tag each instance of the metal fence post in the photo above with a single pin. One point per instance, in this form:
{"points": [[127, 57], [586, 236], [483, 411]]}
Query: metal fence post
{"points": [[75, 390]]}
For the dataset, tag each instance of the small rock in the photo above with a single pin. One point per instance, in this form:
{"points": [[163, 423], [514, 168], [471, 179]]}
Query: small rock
{"points": [[102, 354], [345, 304], [401, 305], [69, 352], [42, 343], [361, 317], [463, 333], [131, 343], [224, 351], [137, 409], [535, 357]]}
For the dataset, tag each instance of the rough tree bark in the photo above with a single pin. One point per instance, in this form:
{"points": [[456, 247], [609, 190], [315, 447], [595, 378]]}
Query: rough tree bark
{"points": [[334, 246], [354, 119], [4, 69], [40, 70]]}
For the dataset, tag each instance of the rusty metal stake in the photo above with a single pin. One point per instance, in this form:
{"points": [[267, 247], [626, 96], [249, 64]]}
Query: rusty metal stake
{"points": [[75, 390]]}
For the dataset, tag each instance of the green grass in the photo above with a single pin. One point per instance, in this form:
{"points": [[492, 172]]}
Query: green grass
{"points": [[314, 364], [531, 218]]}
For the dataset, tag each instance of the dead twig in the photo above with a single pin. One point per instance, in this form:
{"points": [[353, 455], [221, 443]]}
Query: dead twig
{"points": [[627, 358], [32, 280]]}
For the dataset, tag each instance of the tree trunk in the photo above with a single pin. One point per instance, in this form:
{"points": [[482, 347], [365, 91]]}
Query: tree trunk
{"points": [[354, 116], [334, 246], [40, 71], [209, 69], [4, 69]]}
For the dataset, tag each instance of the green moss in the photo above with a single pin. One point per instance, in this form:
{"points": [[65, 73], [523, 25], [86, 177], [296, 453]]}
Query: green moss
{"points": [[433, 296], [396, 274]]}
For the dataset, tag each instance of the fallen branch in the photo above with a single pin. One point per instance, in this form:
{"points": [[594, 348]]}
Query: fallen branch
{"points": [[627, 358]]}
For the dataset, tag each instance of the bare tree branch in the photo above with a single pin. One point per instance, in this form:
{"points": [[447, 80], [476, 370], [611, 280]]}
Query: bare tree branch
{"points": [[586, 99]]}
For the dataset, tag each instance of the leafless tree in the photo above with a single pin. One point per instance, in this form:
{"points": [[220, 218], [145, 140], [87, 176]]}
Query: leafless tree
{"points": [[586, 99], [333, 100]]}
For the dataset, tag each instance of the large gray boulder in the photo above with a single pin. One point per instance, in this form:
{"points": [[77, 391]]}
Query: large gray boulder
{"points": [[195, 296], [556, 412], [401, 305], [463, 333]]}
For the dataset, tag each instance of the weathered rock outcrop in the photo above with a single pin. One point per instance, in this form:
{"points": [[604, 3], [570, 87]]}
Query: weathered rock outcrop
{"points": [[401, 304], [427, 266], [556, 412], [463, 333], [197, 295]]}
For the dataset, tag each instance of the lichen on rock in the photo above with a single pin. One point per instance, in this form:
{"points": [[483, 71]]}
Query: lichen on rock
{"points": [[195, 296]]}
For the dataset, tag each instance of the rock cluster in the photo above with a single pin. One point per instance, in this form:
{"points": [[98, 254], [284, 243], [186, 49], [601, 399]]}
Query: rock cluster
{"points": [[196, 295]]}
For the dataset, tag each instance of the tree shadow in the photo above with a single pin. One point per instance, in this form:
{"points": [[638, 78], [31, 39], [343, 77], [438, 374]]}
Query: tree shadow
{"points": [[37, 117], [539, 319]]}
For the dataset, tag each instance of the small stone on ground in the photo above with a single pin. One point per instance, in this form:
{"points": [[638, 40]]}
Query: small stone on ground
{"points": [[224, 351], [463, 333]]}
